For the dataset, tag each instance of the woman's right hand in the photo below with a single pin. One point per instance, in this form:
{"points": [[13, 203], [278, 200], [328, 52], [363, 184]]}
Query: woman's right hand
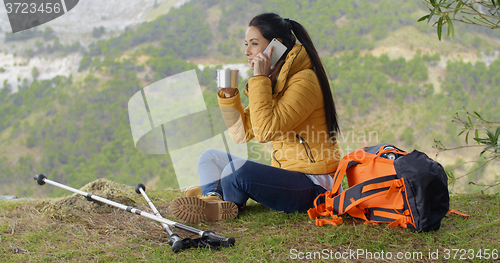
{"points": [[262, 63], [229, 92]]}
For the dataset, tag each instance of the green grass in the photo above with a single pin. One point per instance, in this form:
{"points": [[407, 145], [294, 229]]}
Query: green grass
{"points": [[262, 235]]}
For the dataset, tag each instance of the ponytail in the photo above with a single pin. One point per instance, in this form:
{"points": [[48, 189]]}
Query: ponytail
{"points": [[330, 109]]}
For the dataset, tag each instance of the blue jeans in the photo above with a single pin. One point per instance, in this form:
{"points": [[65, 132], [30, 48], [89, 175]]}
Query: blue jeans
{"points": [[236, 179]]}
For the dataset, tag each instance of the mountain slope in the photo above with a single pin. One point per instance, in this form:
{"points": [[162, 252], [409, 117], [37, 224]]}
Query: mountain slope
{"points": [[76, 128]]}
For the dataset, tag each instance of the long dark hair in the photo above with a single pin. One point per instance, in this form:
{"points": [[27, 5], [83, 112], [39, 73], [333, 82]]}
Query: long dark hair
{"points": [[272, 26]]}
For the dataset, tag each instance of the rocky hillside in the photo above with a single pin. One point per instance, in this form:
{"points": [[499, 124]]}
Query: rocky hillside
{"points": [[77, 26]]}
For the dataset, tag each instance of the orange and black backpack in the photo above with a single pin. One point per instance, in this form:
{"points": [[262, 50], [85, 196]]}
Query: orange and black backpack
{"points": [[387, 185]]}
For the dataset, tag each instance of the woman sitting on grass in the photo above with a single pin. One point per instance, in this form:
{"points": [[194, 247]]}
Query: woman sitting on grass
{"points": [[290, 105]]}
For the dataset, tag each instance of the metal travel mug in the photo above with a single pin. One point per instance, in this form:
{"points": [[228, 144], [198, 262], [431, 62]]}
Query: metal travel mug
{"points": [[227, 78]]}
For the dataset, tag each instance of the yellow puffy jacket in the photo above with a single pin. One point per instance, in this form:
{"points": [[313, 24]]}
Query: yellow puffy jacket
{"points": [[291, 115]]}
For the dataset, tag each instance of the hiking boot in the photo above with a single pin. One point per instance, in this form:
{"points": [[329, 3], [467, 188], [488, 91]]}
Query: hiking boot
{"points": [[203, 208], [194, 190]]}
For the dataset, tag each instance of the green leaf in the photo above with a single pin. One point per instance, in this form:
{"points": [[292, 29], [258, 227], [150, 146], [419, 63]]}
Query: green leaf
{"points": [[497, 133], [485, 149], [450, 27], [433, 2], [481, 141], [450, 175], [493, 2], [431, 15], [461, 132], [438, 7], [459, 5], [440, 28], [477, 114], [477, 134], [490, 135], [423, 18], [467, 138]]}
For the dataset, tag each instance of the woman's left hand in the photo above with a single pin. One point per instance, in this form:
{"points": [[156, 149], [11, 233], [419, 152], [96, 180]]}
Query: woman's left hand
{"points": [[262, 63]]}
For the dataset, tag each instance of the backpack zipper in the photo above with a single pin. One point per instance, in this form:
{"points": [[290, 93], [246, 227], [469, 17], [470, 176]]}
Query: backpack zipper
{"points": [[306, 147]]}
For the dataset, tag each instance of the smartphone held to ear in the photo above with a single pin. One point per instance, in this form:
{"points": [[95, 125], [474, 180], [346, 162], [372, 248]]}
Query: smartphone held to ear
{"points": [[278, 51]]}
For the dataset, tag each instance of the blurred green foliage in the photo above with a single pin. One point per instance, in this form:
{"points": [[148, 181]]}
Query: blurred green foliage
{"points": [[182, 32]]}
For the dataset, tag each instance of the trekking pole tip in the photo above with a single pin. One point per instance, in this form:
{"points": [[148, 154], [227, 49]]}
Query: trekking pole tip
{"points": [[40, 178], [138, 188]]}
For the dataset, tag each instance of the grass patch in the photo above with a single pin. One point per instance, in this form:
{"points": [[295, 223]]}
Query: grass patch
{"points": [[160, 10], [410, 35], [262, 235]]}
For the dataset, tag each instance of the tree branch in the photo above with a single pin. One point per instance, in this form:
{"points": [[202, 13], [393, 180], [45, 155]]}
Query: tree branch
{"points": [[486, 162], [488, 186], [460, 165]]}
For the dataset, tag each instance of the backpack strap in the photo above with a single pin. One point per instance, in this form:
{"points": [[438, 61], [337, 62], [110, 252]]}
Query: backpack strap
{"points": [[347, 201], [403, 222], [384, 215], [344, 165], [322, 210], [453, 211]]}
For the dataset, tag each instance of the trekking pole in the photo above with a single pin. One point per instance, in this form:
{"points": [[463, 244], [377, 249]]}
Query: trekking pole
{"points": [[174, 240], [207, 236]]}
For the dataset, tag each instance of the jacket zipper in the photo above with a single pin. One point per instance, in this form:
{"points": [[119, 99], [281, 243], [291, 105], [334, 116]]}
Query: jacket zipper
{"points": [[274, 158], [306, 147]]}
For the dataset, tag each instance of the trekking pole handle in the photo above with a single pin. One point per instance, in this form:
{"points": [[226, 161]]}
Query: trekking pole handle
{"points": [[216, 240], [176, 242], [138, 188], [40, 178]]}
